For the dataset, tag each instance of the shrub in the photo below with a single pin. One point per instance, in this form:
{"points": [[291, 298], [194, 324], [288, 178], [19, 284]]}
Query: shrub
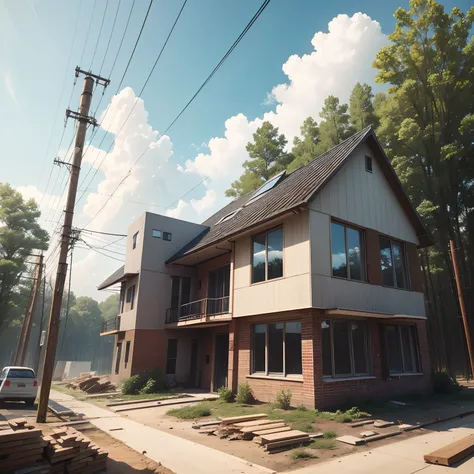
{"points": [[302, 454], [283, 399], [151, 386], [444, 384], [329, 435], [225, 394], [136, 383], [301, 407], [244, 394]]}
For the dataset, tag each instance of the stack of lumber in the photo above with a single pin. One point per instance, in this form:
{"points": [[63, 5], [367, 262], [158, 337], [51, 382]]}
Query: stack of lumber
{"points": [[71, 452], [272, 435], [91, 384], [21, 446]]}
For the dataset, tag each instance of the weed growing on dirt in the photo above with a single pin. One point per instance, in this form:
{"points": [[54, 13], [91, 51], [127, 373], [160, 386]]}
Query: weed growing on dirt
{"points": [[301, 453], [190, 412]]}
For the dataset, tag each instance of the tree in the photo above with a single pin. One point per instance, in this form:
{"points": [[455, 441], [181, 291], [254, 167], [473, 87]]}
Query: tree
{"points": [[335, 126], [268, 157], [110, 307], [361, 110], [20, 234], [307, 147], [426, 126]]}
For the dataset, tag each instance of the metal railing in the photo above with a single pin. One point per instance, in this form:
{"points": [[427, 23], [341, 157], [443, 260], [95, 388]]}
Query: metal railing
{"points": [[112, 324], [198, 309]]}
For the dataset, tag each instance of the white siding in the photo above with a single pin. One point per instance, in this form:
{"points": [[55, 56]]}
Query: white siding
{"points": [[364, 198]]}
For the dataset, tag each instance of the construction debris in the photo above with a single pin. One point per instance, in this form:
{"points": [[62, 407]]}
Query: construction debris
{"points": [[348, 439], [368, 434], [361, 423], [92, 384], [452, 453], [383, 424]]}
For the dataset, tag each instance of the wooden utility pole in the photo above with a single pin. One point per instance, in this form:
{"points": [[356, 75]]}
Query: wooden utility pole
{"points": [[22, 346], [82, 116], [470, 349], [40, 333]]}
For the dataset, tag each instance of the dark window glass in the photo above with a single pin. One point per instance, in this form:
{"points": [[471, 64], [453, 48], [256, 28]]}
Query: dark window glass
{"points": [[368, 163], [359, 347], [395, 365], [167, 236], [275, 347], [342, 354], [326, 343], [259, 347], [408, 359], [135, 240], [356, 257], [185, 290], [132, 299], [399, 264], [127, 351], [171, 355], [259, 258], [118, 357], [386, 262], [156, 233], [338, 247], [275, 254], [20, 374], [174, 292], [293, 362]]}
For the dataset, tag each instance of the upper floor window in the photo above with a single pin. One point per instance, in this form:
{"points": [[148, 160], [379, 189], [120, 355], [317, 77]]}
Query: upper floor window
{"points": [[135, 240], [167, 236], [393, 263], [348, 256], [156, 233], [368, 163], [345, 347], [131, 296], [267, 255], [402, 350]]}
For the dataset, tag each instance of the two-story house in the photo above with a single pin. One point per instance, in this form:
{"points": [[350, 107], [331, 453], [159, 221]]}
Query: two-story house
{"points": [[311, 283]]}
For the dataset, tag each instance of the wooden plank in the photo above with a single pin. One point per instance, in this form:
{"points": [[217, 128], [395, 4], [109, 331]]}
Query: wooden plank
{"points": [[452, 453], [198, 426], [383, 424], [268, 426], [10, 435], [250, 424], [237, 419], [368, 434], [22, 448], [361, 423], [292, 434], [286, 443], [272, 430], [353, 440], [383, 436]]}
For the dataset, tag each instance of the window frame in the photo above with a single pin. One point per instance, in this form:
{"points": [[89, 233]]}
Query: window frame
{"points": [[167, 236], [363, 239], [369, 164], [168, 358], [253, 237], [159, 234], [130, 296], [368, 352], [267, 373], [405, 263], [415, 353], [135, 240], [127, 352]]}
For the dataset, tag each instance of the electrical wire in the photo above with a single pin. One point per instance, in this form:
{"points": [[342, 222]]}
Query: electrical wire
{"points": [[88, 31], [100, 32], [101, 248], [104, 254], [110, 37]]}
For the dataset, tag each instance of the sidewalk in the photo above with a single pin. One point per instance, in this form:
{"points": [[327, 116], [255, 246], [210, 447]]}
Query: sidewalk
{"points": [[403, 457], [179, 455]]}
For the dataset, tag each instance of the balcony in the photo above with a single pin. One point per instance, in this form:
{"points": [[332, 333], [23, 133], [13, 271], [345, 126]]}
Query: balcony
{"points": [[205, 310], [110, 326]]}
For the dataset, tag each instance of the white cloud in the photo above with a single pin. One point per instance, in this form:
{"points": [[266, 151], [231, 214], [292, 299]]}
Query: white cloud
{"points": [[178, 210], [270, 99], [7, 80], [205, 203]]}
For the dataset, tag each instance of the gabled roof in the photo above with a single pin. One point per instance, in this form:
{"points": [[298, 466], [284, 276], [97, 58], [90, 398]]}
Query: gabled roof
{"points": [[296, 190]]}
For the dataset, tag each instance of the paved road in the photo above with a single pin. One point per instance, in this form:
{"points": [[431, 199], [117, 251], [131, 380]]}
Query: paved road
{"points": [[9, 410]]}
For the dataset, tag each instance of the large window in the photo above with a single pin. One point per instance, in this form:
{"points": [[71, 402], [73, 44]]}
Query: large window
{"points": [[276, 348], [348, 259], [171, 356], [402, 350], [345, 347], [131, 296], [393, 263], [267, 255]]}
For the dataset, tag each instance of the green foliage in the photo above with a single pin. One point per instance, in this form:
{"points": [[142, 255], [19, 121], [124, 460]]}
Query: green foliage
{"points": [[109, 307], [444, 384], [341, 416], [283, 399], [244, 394], [190, 412], [361, 109], [301, 453], [301, 407], [335, 126], [321, 443], [306, 148], [150, 381], [329, 435], [225, 394]]}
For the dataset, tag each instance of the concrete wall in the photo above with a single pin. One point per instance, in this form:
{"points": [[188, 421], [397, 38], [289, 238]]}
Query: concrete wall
{"points": [[293, 291]]}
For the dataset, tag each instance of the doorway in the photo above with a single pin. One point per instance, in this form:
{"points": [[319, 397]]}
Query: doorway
{"points": [[195, 375], [221, 360]]}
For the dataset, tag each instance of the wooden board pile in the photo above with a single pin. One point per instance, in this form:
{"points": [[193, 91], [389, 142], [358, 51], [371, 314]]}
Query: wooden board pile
{"points": [[272, 435], [21, 448], [91, 384], [71, 452], [452, 453]]}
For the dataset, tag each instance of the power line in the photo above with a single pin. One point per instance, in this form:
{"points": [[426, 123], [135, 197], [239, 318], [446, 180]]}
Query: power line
{"points": [[88, 31], [103, 233], [234, 45], [101, 248], [101, 253], [100, 32], [110, 37]]}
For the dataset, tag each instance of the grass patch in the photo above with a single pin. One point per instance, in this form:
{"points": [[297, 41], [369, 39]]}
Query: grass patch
{"points": [[190, 412], [297, 419], [146, 396], [302, 454], [343, 416], [321, 443], [329, 435]]}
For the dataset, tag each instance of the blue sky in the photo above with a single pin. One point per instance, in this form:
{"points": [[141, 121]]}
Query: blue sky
{"points": [[35, 44]]}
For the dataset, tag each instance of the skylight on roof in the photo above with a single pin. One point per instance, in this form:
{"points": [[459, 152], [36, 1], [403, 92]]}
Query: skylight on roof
{"points": [[228, 216], [270, 184]]}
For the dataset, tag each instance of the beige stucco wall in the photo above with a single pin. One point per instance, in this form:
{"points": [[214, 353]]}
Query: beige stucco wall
{"points": [[293, 291]]}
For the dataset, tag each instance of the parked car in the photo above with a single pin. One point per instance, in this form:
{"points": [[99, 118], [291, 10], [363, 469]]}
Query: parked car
{"points": [[18, 383]]}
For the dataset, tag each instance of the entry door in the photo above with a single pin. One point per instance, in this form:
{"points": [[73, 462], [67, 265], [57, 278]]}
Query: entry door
{"points": [[218, 290], [221, 360]]}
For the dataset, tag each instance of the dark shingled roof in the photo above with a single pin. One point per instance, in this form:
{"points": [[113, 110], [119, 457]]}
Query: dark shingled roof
{"points": [[293, 191]]}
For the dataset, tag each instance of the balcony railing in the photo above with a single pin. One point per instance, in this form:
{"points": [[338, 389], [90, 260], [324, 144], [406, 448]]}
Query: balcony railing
{"points": [[198, 309], [112, 324]]}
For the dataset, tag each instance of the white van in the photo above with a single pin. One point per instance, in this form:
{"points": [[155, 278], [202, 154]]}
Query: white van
{"points": [[18, 383]]}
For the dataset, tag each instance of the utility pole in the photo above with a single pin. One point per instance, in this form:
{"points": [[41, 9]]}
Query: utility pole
{"points": [[470, 349], [22, 346], [38, 348], [82, 116]]}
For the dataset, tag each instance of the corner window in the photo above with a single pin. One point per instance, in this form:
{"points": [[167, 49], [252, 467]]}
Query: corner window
{"points": [[393, 263], [171, 356], [368, 163], [267, 256], [345, 348], [276, 348], [135, 240], [167, 236], [347, 252], [156, 234], [131, 296], [402, 350]]}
